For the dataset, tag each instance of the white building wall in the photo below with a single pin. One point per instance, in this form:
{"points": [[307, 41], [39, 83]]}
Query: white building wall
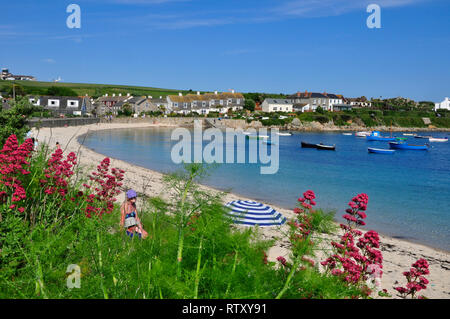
{"points": [[443, 105]]}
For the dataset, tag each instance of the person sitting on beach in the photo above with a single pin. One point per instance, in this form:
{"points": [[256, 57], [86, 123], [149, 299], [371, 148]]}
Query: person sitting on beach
{"points": [[129, 217], [35, 143]]}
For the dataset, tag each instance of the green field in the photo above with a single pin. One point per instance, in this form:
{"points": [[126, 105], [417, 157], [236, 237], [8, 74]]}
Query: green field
{"points": [[94, 90]]}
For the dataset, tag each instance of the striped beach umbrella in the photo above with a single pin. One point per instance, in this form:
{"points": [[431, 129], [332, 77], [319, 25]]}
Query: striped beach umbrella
{"points": [[253, 213]]}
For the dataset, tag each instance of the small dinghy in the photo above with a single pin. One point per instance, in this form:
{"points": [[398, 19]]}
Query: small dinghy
{"points": [[362, 134], [380, 150], [347, 134], [325, 147], [284, 134], [435, 139], [255, 137], [423, 136], [409, 134], [404, 146], [308, 145]]}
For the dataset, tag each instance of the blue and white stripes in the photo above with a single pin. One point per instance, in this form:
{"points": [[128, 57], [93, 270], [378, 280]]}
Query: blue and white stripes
{"points": [[253, 213]]}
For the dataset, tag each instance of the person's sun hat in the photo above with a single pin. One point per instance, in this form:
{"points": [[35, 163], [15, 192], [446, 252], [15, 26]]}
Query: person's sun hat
{"points": [[131, 194]]}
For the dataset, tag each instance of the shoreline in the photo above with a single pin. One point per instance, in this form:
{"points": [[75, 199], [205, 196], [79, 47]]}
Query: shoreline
{"points": [[398, 254]]}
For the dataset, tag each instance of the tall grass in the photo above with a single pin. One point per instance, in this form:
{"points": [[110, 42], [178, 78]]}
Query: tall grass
{"points": [[218, 261]]}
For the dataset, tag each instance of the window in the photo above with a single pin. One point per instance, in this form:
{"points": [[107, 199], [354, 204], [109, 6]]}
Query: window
{"points": [[53, 103], [238, 101], [175, 104], [221, 102], [203, 103], [275, 108], [185, 105], [72, 103]]}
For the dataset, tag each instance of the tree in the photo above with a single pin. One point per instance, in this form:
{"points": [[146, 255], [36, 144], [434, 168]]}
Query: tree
{"points": [[14, 120], [249, 105], [16, 89], [126, 110]]}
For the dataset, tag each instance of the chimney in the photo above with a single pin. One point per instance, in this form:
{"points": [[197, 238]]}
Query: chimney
{"points": [[215, 92], [198, 92], [150, 97], [232, 91], [128, 94], [114, 94], [106, 94], [180, 94], [120, 94], [160, 97]]}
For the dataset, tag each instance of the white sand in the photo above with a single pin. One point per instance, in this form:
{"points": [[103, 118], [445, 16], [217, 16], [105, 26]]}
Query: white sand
{"points": [[398, 254]]}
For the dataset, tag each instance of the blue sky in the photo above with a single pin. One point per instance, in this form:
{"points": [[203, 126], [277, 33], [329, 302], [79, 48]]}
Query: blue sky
{"points": [[276, 46]]}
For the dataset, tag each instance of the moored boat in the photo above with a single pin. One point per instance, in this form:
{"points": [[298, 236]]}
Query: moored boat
{"points": [[405, 146], [308, 145], [401, 138], [284, 134], [376, 136], [409, 134], [325, 147], [347, 134], [260, 137], [435, 139], [423, 136], [362, 134], [380, 150], [268, 142]]}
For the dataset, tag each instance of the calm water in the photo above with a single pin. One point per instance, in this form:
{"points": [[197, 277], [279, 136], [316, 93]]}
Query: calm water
{"points": [[409, 192]]}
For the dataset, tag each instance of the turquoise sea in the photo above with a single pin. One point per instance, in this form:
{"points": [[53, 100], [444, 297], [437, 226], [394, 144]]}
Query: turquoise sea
{"points": [[409, 192]]}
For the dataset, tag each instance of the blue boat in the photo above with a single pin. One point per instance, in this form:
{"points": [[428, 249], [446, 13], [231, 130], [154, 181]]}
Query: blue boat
{"points": [[404, 146], [380, 150], [376, 136]]}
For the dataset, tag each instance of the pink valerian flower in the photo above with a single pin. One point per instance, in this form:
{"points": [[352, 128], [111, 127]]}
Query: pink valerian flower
{"points": [[415, 279], [105, 186], [282, 260], [356, 258], [58, 173], [14, 164]]}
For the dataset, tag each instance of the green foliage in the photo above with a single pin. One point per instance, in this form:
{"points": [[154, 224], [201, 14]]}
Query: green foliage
{"points": [[218, 261], [249, 105], [126, 110], [13, 120]]}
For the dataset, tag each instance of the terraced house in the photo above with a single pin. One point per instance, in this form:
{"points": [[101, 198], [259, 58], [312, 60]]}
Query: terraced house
{"points": [[205, 103], [324, 100], [63, 105]]}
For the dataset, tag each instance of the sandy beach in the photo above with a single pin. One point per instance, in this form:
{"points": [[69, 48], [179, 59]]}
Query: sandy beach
{"points": [[398, 254]]}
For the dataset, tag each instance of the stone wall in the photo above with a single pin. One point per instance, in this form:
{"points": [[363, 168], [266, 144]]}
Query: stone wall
{"points": [[57, 122]]}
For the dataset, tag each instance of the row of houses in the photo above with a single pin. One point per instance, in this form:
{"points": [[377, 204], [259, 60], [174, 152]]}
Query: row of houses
{"points": [[310, 101], [202, 104]]}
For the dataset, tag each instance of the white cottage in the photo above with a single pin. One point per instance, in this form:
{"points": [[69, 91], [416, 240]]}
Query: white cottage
{"points": [[443, 105], [277, 105]]}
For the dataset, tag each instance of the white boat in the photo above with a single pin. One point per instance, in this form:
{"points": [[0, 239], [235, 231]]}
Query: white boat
{"points": [[246, 133], [435, 139], [347, 134], [284, 134], [409, 134], [362, 134]]}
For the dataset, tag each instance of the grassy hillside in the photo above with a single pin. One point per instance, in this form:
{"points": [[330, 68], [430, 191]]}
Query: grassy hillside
{"points": [[95, 90]]}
